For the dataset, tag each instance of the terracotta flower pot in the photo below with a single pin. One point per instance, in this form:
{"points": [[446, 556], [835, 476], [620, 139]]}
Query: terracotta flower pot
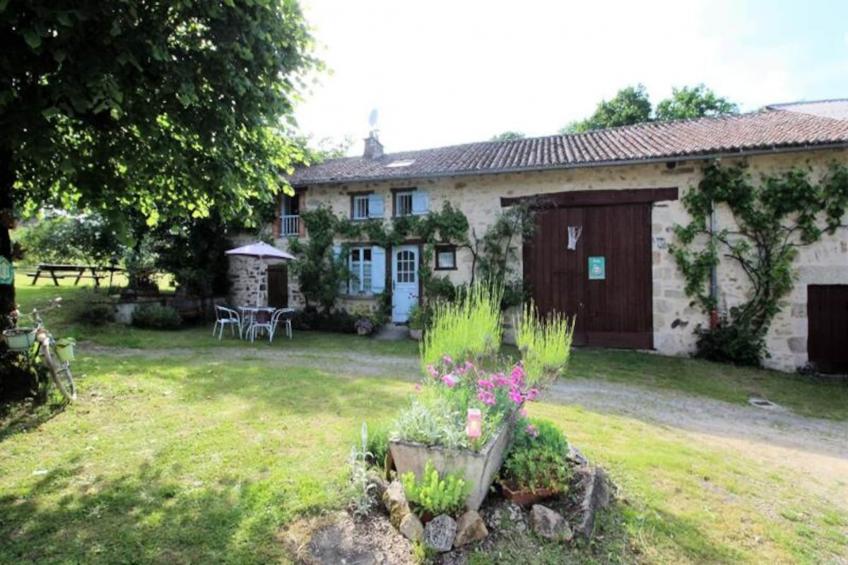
{"points": [[526, 497]]}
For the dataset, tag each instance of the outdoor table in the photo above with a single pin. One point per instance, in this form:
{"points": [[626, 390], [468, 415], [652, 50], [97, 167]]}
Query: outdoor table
{"points": [[60, 271], [251, 313]]}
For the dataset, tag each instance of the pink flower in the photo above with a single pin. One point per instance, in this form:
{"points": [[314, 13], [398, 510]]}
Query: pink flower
{"points": [[450, 380], [517, 375], [532, 431], [523, 412], [486, 397], [532, 394], [418, 387], [469, 365], [499, 379], [433, 372], [448, 359], [516, 396], [484, 384]]}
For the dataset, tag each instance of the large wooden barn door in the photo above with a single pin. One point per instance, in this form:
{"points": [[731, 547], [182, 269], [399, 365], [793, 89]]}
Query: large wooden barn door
{"points": [[613, 303], [827, 318]]}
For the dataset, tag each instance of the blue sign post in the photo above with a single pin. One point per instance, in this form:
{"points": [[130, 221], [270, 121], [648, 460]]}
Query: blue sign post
{"points": [[597, 268]]}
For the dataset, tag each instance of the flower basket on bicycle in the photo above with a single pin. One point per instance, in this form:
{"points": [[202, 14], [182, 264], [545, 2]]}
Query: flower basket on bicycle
{"points": [[65, 349], [19, 339]]}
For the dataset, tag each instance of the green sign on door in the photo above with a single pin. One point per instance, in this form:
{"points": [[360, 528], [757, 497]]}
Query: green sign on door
{"points": [[597, 268], [7, 272]]}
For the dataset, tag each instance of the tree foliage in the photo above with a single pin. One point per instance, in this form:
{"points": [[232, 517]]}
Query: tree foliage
{"points": [[631, 105], [169, 109], [55, 237], [508, 136], [694, 102], [773, 218]]}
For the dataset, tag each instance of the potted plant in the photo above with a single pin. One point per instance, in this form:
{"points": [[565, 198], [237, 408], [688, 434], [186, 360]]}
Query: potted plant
{"points": [[364, 326], [417, 316], [535, 467], [461, 423]]}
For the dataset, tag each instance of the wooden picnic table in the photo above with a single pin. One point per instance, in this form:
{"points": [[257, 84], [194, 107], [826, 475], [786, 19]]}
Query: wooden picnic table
{"points": [[59, 271]]}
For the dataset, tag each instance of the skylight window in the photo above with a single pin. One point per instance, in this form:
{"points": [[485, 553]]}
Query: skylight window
{"points": [[401, 163]]}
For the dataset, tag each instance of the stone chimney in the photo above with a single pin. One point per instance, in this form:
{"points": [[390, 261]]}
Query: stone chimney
{"points": [[373, 147]]}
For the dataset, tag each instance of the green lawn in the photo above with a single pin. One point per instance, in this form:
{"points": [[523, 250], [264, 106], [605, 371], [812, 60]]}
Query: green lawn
{"points": [[197, 458]]}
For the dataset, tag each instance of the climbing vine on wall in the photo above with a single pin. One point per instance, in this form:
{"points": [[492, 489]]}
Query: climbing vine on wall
{"points": [[322, 273], [773, 218]]}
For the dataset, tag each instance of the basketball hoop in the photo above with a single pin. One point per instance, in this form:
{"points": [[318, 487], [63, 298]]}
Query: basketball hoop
{"points": [[574, 236]]}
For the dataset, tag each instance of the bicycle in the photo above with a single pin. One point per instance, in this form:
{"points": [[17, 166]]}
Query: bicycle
{"points": [[37, 343]]}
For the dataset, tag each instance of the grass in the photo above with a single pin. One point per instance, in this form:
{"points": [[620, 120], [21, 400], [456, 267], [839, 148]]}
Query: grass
{"points": [[193, 458]]}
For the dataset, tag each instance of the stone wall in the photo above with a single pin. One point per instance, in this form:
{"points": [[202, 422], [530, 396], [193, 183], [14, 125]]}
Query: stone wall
{"points": [[674, 319]]}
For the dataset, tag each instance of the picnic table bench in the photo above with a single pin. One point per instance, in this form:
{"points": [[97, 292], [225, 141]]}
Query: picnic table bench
{"points": [[77, 272]]}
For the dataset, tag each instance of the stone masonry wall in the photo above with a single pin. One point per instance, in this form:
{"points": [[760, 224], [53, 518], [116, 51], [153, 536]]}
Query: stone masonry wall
{"points": [[673, 318]]}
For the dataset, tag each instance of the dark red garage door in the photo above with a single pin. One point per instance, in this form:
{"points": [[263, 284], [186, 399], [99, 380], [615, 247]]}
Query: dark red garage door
{"points": [[614, 306], [827, 339]]}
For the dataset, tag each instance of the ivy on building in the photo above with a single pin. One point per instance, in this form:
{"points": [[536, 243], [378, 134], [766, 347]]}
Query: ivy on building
{"points": [[322, 272], [773, 218]]}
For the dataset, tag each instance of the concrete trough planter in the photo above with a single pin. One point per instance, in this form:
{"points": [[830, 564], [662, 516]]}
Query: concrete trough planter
{"points": [[478, 468]]}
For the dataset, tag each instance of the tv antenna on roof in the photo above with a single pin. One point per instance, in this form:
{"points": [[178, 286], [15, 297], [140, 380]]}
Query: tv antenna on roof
{"points": [[372, 120]]}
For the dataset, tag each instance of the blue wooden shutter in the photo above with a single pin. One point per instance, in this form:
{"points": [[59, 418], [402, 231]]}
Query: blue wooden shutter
{"points": [[420, 202], [375, 206], [378, 269]]}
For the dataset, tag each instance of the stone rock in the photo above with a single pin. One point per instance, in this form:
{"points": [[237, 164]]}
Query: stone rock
{"points": [[469, 528], [549, 524], [379, 483], [596, 488], [439, 533], [412, 528], [505, 517], [395, 501]]}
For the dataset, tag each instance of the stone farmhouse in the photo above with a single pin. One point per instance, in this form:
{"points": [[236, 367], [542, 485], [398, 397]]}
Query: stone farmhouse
{"points": [[622, 188]]}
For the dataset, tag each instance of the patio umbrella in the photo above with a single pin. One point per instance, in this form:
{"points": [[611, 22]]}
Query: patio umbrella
{"points": [[263, 252]]}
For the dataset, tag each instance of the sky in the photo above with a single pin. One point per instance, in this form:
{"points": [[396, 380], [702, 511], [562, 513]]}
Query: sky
{"points": [[448, 72]]}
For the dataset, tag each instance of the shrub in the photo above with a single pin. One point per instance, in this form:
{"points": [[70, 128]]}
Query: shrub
{"points": [[537, 458], [434, 494], [310, 319], [418, 317], [361, 498], [733, 343], [545, 344], [157, 317], [469, 328], [98, 314], [377, 444]]}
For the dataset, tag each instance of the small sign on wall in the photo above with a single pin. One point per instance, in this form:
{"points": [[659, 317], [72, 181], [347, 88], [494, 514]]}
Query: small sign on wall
{"points": [[597, 268], [7, 272]]}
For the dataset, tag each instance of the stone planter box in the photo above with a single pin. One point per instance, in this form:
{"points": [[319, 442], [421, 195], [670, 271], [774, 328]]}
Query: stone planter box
{"points": [[478, 468]]}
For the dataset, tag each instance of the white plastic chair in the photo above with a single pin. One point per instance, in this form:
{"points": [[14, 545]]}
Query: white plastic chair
{"points": [[226, 317], [282, 316], [262, 321]]}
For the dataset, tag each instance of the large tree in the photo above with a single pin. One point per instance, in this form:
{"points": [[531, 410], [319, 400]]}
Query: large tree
{"points": [[631, 105], [168, 109], [694, 102]]}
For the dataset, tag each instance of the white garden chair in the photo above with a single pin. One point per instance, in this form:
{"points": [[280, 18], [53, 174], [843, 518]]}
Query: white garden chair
{"points": [[226, 317], [282, 316], [262, 321]]}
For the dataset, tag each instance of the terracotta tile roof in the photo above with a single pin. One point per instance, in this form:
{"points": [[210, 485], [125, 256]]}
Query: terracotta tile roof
{"points": [[774, 128]]}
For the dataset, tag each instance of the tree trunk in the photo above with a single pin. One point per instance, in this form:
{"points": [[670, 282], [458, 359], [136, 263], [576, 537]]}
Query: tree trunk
{"points": [[7, 177]]}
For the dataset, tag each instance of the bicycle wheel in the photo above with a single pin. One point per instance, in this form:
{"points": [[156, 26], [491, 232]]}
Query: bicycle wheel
{"points": [[60, 371]]}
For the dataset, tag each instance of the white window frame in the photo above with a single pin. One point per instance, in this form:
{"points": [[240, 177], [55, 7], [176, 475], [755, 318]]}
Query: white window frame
{"points": [[359, 208], [406, 194], [360, 271]]}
